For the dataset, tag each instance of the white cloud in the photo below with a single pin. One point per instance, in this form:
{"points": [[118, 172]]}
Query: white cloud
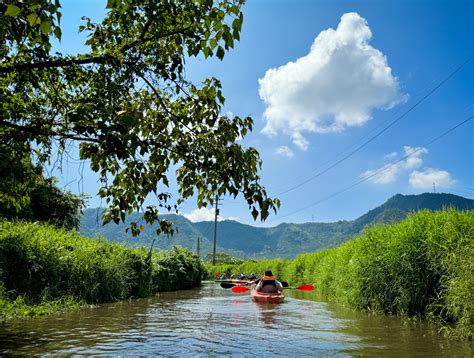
{"points": [[284, 151], [335, 86], [389, 172], [425, 179], [202, 214], [391, 156]]}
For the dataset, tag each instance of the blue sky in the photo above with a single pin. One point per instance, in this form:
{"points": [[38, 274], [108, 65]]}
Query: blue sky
{"points": [[320, 78]]}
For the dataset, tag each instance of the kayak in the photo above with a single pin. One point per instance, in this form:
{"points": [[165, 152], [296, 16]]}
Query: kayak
{"points": [[267, 297], [239, 282]]}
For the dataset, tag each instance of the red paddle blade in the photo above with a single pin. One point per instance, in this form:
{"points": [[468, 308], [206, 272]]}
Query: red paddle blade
{"points": [[240, 289], [305, 287]]}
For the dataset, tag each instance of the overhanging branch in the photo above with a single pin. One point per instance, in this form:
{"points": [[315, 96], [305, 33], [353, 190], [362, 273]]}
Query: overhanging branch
{"points": [[63, 62]]}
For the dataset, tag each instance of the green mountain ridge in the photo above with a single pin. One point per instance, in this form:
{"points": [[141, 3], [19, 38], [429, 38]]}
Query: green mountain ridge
{"points": [[286, 240]]}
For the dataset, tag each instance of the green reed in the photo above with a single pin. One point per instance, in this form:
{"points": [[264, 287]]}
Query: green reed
{"points": [[42, 265], [421, 267]]}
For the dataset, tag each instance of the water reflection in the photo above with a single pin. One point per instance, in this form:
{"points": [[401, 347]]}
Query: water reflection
{"points": [[212, 321], [268, 313]]}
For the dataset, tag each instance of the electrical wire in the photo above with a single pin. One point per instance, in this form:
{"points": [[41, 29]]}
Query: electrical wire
{"points": [[439, 85], [386, 167]]}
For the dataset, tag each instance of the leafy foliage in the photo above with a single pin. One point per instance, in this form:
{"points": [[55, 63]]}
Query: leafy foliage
{"points": [[26, 194], [223, 258], [17, 176], [128, 103], [40, 264], [285, 240], [423, 266]]}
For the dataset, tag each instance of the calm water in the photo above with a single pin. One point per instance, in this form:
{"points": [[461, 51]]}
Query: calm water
{"points": [[211, 321]]}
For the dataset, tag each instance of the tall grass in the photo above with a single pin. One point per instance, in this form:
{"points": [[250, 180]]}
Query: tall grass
{"points": [[423, 266], [40, 263]]}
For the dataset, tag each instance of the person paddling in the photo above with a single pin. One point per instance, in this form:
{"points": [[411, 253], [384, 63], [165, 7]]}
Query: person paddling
{"points": [[269, 284]]}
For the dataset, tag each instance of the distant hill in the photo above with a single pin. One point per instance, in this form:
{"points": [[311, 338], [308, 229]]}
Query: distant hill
{"points": [[284, 240]]}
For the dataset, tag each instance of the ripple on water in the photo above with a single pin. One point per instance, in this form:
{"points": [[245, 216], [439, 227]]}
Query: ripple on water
{"points": [[211, 321]]}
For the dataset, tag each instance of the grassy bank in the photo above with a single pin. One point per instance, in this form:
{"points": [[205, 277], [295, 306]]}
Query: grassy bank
{"points": [[44, 269], [423, 267]]}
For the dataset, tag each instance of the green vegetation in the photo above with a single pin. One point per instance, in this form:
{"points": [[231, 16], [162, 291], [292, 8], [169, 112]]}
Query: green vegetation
{"points": [[25, 194], [18, 308], [50, 267], [423, 267], [285, 240], [126, 103], [223, 258]]}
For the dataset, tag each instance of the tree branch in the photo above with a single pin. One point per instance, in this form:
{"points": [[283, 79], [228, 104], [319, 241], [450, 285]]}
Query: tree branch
{"points": [[37, 131], [62, 62], [65, 62]]}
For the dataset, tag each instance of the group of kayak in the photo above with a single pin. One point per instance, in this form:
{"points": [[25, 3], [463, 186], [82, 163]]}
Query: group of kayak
{"points": [[266, 289]]}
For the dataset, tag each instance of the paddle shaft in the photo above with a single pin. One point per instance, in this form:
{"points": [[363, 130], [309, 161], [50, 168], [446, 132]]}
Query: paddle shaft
{"points": [[241, 289]]}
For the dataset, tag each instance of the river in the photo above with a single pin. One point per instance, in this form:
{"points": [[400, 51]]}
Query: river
{"points": [[211, 321]]}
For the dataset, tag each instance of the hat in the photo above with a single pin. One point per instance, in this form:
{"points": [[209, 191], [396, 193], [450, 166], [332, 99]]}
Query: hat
{"points": [[268, 273]]}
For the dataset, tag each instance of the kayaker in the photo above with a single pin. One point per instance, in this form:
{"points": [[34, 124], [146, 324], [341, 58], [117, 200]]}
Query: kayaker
{"points": [[269, 284], [242, 276]]}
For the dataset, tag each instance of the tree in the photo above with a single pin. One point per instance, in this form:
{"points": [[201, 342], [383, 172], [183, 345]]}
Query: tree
{"points": [[127, 103], [25, 194]]}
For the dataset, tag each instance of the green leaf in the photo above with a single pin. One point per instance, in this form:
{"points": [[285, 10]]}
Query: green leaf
{"points": [[34, 19], [12, 10], [57, 33], [110, 4], [45, 27], [220, 53], [254, 213], [237, 24]]}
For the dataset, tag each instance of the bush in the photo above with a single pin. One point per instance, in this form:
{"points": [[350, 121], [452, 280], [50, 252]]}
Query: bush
{"points": [[38, 261], [423, 266]]}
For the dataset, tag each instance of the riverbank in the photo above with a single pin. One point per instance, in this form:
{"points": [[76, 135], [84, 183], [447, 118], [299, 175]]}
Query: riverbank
{"points": [[44, 269], [421, 267]]}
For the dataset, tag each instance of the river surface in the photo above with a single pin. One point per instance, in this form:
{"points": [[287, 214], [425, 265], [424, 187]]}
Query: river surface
{"points": [[211, 321]]}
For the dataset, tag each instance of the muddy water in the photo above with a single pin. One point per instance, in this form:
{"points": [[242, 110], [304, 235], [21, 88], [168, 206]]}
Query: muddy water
{"points": [[211, 321]]}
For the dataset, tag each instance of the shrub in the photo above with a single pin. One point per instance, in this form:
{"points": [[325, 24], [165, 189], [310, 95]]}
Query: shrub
{"points": [[38, 261]]}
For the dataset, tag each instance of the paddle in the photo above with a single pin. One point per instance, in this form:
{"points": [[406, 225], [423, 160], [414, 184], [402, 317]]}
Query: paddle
{"points": [[230, 284], [303, 287], [241, 289]]}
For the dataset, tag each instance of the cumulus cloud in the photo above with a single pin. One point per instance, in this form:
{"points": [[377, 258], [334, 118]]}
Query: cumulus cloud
{"points": [[425, 179], [202, 214], [284, 151], [335, 86], [390, 172]]}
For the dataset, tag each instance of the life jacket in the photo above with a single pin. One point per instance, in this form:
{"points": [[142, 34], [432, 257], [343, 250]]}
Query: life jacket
{"points": [[268, 280]]}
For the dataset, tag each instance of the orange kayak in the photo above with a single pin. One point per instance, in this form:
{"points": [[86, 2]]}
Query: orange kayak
{"points": [[267, 297]]}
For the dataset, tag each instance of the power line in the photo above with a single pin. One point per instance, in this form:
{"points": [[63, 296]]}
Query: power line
{"points": [[378, 171], [446, 79]]}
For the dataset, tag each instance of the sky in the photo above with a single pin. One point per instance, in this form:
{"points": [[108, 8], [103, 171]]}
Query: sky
{"points": [[352, 101]]}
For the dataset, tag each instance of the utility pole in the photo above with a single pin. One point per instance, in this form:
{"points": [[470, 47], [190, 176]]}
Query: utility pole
{"points": [[215, 231], [434, 187], [197, 248]]}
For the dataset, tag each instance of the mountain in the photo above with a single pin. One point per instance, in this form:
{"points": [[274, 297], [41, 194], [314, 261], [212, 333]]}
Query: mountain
{"points": [[285, 240]]}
